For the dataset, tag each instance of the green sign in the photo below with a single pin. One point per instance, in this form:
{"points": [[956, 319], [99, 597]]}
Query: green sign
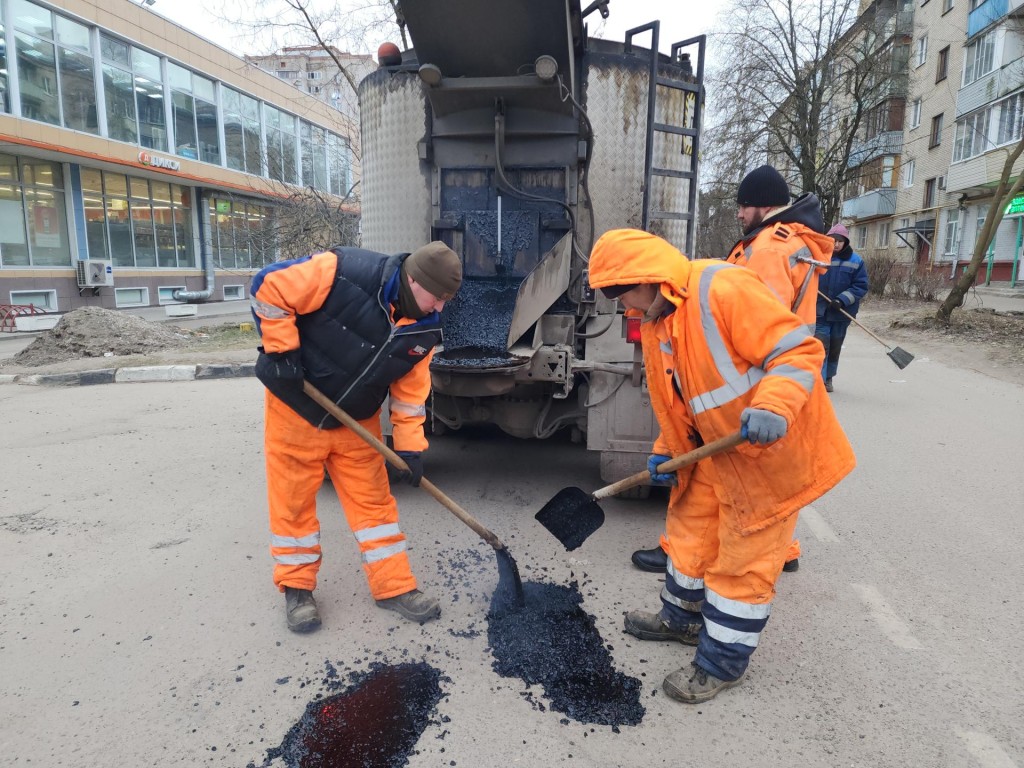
{"points": [[1016, 206], [223, 206]]}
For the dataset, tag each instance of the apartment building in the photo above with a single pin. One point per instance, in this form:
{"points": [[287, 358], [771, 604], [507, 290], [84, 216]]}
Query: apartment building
{"points": [[313, 70], [141, 164], [988, 113]]}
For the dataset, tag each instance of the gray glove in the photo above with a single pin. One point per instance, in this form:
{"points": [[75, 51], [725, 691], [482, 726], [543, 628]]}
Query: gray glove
{"points": [[761, 426]]}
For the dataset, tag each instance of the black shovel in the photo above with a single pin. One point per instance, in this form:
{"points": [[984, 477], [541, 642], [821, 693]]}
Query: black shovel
{"points": [[900, 356], [573, 514]]}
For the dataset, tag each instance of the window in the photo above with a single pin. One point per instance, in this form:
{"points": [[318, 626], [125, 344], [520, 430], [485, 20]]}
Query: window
{"points": [[921, 55], [952, 231], [194, 108], [929, 193], [33, 220], [234, 292], [884, 229], [282, 145], [908, 173], [149, 99], [242, 132], [242, 234], [903, 226], [44, 300], [316, 75], [1010, 119], [339, 159], [137, 223], [134, 94], [941, 69], [915, 113], [947, 6], [971, 136], [131, 297], [862, 236], [979, 57], [165, 294], [935, 137]]}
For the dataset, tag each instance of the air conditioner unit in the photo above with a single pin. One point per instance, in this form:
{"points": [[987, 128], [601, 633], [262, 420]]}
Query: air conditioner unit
{"points": [[941, 183], [95, 273]]}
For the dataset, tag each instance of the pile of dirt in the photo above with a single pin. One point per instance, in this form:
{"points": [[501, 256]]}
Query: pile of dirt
{"points": [[97, 332]]}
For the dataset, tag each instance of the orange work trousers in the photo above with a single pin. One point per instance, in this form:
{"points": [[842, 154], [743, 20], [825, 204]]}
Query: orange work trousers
{"points": [[296, 455]]}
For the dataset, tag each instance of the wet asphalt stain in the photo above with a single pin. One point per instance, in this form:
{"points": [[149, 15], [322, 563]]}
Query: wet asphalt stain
{"points": [[552, 642], [374, 723]]}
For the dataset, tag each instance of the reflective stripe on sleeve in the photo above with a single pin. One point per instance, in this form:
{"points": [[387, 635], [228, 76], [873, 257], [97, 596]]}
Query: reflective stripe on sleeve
{"points": [[380, 553], [790, 341], [804, 378], [267, 311], [312, 540], [411, 409], [378, 532]]}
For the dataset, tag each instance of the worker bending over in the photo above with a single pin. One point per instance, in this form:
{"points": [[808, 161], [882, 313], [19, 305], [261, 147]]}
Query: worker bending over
{"points": [[722, 355], [359, 326]]}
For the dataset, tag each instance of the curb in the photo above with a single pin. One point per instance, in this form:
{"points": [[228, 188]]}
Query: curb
{"points": [[134, 375]]}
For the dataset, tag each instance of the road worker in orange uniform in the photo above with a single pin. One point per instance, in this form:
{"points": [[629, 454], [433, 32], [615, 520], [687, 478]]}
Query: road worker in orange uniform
{"points": [[359, 326], [785, 245], [723, 355]]}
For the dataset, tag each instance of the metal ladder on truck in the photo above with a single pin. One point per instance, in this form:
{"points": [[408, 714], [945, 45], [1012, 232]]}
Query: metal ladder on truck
{"points": [[689, 132]]}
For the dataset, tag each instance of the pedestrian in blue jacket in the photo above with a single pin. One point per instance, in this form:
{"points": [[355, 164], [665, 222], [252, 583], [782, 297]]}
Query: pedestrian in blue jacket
{"points": [[844, 284]]}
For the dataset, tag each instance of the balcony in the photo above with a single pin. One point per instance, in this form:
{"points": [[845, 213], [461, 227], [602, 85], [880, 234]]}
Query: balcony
{"points": [[980, 173], [989, 88], [877, 202], [887, 143], [985, 15]]}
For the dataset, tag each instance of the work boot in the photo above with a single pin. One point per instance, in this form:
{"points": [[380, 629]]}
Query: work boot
{"points": [[414, 606], [792, 565], [651, 560], [828, 385], [694, 685], [303, 615], [650, 626]]}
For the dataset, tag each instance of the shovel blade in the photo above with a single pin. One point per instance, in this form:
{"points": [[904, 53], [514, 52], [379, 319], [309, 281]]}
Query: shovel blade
{"points": [[571, 515], [901, 357]]}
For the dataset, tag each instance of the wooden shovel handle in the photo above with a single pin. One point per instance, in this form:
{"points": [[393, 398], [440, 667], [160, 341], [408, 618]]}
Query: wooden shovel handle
{"points": [[858, 322], [717, 446], [398, 462]]}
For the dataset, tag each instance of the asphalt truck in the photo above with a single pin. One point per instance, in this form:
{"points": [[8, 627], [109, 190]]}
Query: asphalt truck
{"points": [[509, 134]]}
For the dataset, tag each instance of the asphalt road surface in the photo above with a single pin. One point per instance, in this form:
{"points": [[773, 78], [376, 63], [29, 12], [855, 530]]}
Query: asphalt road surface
{"points": [[139, 625]]}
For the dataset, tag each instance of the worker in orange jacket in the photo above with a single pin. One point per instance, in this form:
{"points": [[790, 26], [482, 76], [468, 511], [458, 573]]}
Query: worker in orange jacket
{"points": [[723, 355], [360, 326], [785, 246]]}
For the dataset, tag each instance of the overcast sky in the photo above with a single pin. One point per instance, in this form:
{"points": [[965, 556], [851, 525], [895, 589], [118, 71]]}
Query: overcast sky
{"points": [[680, 19]]}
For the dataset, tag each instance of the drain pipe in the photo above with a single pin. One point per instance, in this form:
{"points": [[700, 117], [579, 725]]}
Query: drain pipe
{"points": [[197, 297]]}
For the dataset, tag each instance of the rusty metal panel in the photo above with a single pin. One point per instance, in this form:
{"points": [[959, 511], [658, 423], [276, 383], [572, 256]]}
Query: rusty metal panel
{"points": [[395, 183]]}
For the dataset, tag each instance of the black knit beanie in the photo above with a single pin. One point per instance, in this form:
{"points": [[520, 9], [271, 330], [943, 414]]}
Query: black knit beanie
{"points": [[763, 187]]}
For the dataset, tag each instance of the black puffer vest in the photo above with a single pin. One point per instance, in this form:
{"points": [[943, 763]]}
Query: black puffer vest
{"points": [[351, 351]]}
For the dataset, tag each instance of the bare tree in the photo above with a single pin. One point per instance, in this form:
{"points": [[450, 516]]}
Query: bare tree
{"points": [[798, 89], [1006, 189]]}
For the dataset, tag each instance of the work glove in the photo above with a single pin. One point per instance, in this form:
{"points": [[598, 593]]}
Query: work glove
{"points": [[838, 305], [415, 461], [761, 426], [660, 478], [286, 367]]}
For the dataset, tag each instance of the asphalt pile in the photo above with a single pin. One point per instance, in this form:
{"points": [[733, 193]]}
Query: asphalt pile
{"points": [[97, 332]]}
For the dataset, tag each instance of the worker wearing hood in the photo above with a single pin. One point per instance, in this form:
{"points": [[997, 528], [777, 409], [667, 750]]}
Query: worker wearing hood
{"points": [[722, 355]]}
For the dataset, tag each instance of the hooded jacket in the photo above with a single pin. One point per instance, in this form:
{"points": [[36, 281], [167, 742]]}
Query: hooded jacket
{"points": [[723, 343], [847, 280], [789, 252]]}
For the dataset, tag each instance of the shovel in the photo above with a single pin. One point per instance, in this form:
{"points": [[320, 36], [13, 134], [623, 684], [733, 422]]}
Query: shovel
{"points": [[507, 568], [573, 514], [900, 356]]}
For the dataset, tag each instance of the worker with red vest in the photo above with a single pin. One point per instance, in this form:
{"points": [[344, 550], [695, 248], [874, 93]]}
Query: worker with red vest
{"points": [[361, 327], [723, 355], [784, 245]]}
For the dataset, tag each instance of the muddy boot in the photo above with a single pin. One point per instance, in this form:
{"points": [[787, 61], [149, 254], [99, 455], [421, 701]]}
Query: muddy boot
{"points": [[414, 606], [650, 626], [828, 385], [693, 685], [303, 615], [792, 565], [651, 560]]}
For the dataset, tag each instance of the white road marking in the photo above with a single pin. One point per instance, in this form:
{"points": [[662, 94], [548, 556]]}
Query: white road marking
{"points": [[891, 624], [985, 750], [822, 531]]}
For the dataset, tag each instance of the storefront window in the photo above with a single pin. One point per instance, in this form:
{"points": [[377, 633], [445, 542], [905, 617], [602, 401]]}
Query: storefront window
{"points": [[152, 228], [33, 219], [5, 99], [241, 234]]}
